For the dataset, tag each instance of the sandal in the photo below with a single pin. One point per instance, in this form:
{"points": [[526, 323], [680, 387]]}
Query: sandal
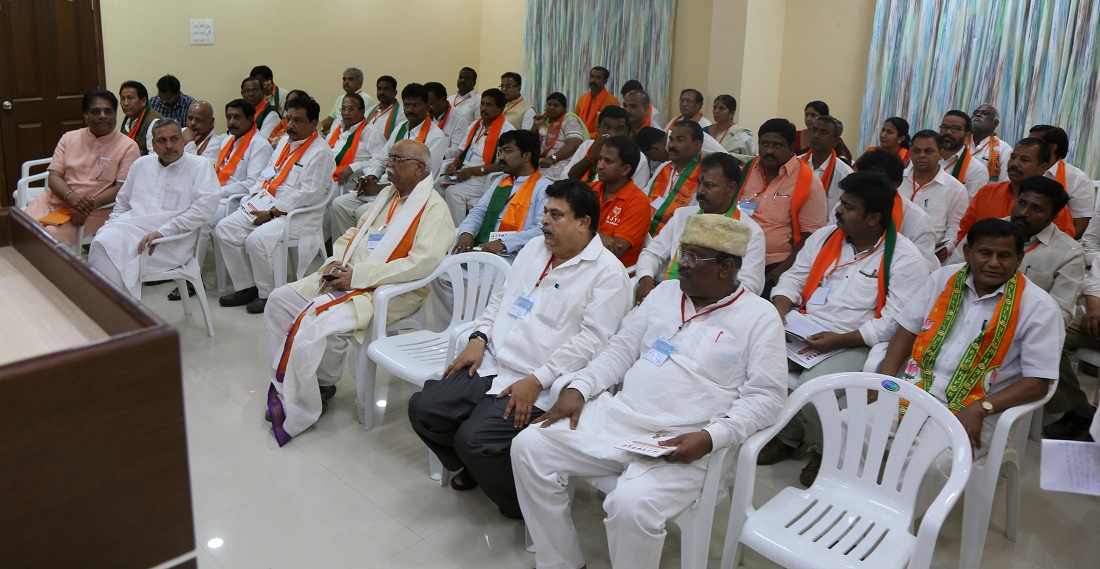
{"points": [[463, 481], [175, 294]]}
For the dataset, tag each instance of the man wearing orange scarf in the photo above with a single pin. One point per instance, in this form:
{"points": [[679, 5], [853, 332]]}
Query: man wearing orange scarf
{"points": [[1076, 183], [953, 319], [596, 99], [298, 175], [401, 238], [849, 280], [466, 178]]}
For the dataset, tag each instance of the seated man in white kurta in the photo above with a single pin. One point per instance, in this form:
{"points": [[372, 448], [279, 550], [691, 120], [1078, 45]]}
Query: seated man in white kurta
{"points": [[467, 176], [298, 175], [701, 360], [403, 237], [718, 180], [166, 193], [850, 280], [347, 208]]}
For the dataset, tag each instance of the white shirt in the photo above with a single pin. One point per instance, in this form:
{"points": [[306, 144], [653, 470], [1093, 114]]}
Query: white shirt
{"points": [[210, 151], [916, 226], [1036, 347], [334, 114], [1081, 190], [852, 297], [981, 152], [370, 144], [703, 122], [468, 105], [832, 193], [1091, 284], [435, 140], [309, 179], [171, 199], [640, 178], [1090, 239], [577, 307], [381, 119], [453, 129], [252, 164], [270, 122], [476, 156], [727, 374], [532, 224], [976, 174], [944, 199], [654, 259]]}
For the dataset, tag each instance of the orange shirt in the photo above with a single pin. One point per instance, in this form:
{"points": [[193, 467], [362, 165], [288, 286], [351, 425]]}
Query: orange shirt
{"points": [[773, 208], [995, 200], [592, 121], [625, 215]]}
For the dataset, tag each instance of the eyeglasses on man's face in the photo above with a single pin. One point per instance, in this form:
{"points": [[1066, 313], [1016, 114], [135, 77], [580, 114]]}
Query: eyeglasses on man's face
{"points": [[690, 259]]}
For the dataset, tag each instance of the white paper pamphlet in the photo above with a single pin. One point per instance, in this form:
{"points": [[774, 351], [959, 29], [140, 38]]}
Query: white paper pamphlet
{"points": [[646, 445], [798, 351], [261, 201], [1070, 466]]}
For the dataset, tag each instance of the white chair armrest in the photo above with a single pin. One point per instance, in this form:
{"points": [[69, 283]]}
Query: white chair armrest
{"points": [[229, 202], [290, 215], [459, 335], [23, 187], [25, 169], [143, 258], [1009, 418]]}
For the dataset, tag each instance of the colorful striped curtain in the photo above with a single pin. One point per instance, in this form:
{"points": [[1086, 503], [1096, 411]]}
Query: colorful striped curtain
{"points": [[564, 39], [1037, 61]]}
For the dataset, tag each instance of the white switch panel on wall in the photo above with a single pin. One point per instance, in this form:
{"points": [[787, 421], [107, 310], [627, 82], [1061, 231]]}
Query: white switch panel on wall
{"points": [[202, 32]]}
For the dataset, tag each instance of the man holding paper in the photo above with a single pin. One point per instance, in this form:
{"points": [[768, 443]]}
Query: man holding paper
{"points": [[401, 238], [849, 281], [168, 193], [297, 176], [701, 360], [88, 168], [561, 302]]}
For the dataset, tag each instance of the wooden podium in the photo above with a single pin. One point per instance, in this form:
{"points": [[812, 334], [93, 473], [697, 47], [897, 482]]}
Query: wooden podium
{"points": [[93, 451]]}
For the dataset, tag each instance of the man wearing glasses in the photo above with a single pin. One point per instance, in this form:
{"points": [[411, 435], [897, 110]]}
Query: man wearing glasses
{"points": [[955, 155], [517, 110], [401, 238]]}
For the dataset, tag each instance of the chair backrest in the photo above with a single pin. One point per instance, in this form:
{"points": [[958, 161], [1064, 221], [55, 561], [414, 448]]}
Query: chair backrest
{"points": [[474, 277], [856, 440], [29, 187]]}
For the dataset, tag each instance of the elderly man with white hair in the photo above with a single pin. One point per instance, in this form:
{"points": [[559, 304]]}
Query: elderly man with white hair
{"points": [[701, 360], [401, 238], [167, 193]]}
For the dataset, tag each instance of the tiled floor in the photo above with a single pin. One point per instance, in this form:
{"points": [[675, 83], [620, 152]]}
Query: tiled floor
{"points": [[341, 497]]}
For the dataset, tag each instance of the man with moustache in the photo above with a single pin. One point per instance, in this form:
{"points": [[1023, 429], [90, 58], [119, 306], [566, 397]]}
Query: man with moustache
{"points": [[1077, 184], [984, 144], [614, 121], [672, 185], [624, 209], [164, 196], [783, 196], [716, 193], [447, 118], [465, 101], [265, 115], [88, 168], [598, 98], [642, 114], [386, 115], [199, 137], [559, 305], [466, 177], [851, 280], [938, 193], [955, 156], [701, 361], [691, 109], [828, 169], [352, 82], [1030, 157], [654, 146], [401, 238], [297, 176], [349, 207], [353, 143], [517, 110]]}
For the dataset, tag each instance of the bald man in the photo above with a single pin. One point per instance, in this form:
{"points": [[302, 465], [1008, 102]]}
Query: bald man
{"points": [[642, 114], [199, 136]]}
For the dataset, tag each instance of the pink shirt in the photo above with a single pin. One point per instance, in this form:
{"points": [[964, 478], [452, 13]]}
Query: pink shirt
{"points": [[773, 208], [89, 164]]}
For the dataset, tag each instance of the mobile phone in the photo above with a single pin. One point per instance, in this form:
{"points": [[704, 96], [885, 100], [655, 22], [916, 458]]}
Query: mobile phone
{"points": [[329, 277]]}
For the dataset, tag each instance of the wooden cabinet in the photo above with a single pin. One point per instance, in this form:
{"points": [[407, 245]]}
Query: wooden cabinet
{"points": [[93, 451]]}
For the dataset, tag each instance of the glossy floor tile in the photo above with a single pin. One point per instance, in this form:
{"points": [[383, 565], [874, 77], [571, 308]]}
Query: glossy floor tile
{"points": [[338, 496]]}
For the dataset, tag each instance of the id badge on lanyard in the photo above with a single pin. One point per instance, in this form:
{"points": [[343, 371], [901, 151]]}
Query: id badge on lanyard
{"points": [[522, 306], [373, 239], [660, 351], [747, 206]]}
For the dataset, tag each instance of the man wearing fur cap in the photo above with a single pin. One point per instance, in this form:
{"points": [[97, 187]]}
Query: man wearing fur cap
{"points": [[701, 361]]}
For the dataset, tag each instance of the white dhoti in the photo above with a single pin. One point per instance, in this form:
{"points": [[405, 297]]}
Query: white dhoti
{"points": [[114, 255], [463, 196], [345, 211], [208, 229], [314, 358], [648, 492], [248, 249]]}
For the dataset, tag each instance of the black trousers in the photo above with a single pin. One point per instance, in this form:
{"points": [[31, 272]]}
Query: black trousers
{"points": [[466, 428]]}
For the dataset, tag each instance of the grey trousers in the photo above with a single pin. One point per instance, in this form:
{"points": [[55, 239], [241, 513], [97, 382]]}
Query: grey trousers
{"points": [[465, 428]]}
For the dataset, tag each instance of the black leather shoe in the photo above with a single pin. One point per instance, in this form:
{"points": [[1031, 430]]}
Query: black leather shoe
{"points": [[1071, 427], [240, 298], [256, 306]]}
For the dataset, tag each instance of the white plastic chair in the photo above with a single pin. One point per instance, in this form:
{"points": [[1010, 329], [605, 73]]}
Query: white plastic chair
{"points": [[27, 187], [189, 272], [848, 518], [422, 355], [279, 259], [1006, 450], [82, 238]]}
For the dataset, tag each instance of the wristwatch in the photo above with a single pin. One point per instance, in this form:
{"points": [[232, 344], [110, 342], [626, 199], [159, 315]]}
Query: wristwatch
{"points": [[554, 157], [481, 336], [271, 212], [987, 407]]}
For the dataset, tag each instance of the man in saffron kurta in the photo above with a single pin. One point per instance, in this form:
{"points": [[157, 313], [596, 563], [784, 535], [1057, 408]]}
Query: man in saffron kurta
{"points": [[88, 168], [1030, 157], [401, 238], [595, 100]]}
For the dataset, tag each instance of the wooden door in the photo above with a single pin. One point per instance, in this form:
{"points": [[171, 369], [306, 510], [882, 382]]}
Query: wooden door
{"points": [[51, 53]]}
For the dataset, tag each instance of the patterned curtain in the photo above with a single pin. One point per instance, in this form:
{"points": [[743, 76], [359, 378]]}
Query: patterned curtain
{"points": [[1037, 61], [563, 39]]}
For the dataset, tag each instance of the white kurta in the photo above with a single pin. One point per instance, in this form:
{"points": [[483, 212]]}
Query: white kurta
{"points": [[726, 376], [464, 195], [944, 199], [981, 152], [468, 105], [703, 122], [578, 307], [213, 145], [371, 142], [976, 174], [435, 140], [654, 260], [853, 287], [1081, 190], [640, 177], [171, 199], [381, 119], [917, 227], [453, 128], [832, 193], [268, 126]]}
